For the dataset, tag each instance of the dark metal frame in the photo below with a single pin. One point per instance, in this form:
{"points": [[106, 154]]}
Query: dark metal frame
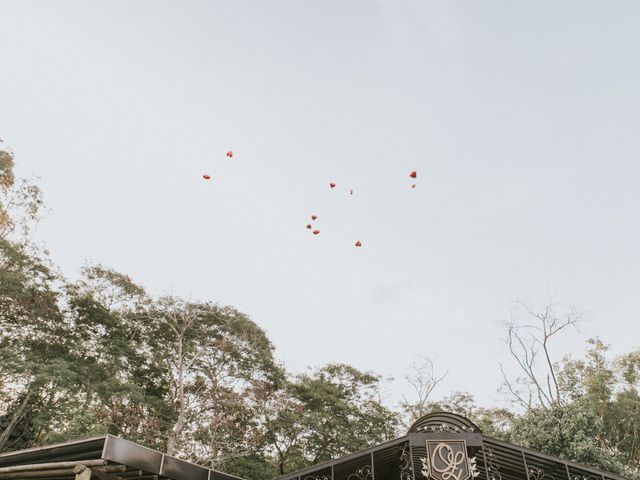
{"points": [[139, 462], [496, 459]]}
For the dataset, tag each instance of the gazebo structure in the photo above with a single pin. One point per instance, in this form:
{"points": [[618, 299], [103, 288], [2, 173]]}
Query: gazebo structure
{"points": [[444, 446], [439, 446], [103, 458]]}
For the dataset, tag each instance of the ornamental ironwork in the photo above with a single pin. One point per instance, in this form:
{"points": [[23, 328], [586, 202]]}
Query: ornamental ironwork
{"points": [[493, 471], [448, 460], [446, 446], [445, 427], [317, 477], [363, 473], [405, 464], [537, 473]]}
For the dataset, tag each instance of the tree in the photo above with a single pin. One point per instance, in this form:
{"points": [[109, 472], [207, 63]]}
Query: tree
{"points": [[567, 430], [20, 200], [285, 430], [178, 316], [33, 355], [30, 348], [608, 389], [625, 411], [423, 380], [102, 356], [78, 361], [332, 411], [110, 316], [220, 366], [529, 342]]}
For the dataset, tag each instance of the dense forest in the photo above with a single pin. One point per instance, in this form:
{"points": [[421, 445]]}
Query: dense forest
{"points": [[199, 380]]}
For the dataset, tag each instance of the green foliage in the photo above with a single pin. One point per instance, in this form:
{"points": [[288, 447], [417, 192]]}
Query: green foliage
{"points": [[566, 430], [342, 412], [329, 412], [20, 201], [609, 390], [255, 467]]}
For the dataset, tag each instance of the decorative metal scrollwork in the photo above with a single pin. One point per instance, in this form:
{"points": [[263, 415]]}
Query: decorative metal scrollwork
{"points": [[405, 465], [448, 460], [426, 467], [445, 427], [492, 469], [363, 473], [317, 477], [473, 467], [584, 477], [537, 473]]}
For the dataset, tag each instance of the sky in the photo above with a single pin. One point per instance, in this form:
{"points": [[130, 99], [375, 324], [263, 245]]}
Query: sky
{"points": [[521, 119]]}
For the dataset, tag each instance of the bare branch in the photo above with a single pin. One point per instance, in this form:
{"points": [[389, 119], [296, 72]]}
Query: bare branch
{"points": [[423, 380], [525, 339]]}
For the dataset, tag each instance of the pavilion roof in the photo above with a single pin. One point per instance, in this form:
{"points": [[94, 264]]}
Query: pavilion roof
{"points": [[108, 458], [404, 458]]}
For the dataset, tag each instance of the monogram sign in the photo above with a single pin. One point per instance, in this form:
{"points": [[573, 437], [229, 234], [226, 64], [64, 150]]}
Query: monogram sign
{"points": [[447, 460]]}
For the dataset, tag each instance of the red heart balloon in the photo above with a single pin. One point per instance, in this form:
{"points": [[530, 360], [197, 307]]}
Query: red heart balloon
{"points": [[206, 177], [315, 232], [413, 186], [313, 217], [413, 174], [358, 243], [230, 154], [309, 226], [332, 185]]}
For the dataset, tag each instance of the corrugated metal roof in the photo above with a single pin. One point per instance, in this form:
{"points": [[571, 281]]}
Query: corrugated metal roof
{"points": [[496, 459], [140, 462]]}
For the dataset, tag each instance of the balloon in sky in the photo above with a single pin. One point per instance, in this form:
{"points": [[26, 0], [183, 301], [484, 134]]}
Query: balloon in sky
{"points": [[314, 217]]}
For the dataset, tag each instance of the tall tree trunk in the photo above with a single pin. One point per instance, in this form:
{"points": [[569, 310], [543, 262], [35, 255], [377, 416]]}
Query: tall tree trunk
{"points": [[179, 426], [17, 415]]}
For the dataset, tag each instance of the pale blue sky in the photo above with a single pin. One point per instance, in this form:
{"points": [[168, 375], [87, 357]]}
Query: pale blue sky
{"points": [[521, 118]]}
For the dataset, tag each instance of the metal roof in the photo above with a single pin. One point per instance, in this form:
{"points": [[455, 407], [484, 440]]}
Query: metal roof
{"points": [[113, 459], [402, 458]]}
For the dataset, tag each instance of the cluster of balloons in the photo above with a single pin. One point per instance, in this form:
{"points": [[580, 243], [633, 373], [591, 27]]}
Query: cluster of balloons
{"points": [[206, 176], [332, 185]]}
